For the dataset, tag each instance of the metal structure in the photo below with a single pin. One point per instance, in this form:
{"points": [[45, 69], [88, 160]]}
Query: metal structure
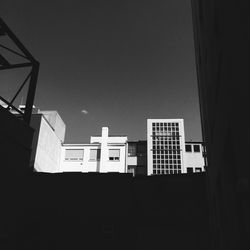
{"points": [[31, 78]]}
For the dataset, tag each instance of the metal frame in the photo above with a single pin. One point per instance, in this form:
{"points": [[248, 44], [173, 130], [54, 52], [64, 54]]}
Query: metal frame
{"points": [[31, 78]]}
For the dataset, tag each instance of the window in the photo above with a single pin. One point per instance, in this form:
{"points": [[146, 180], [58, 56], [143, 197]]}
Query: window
{"points": [[198, 170], [95, 154], [73, 155], [132, 149], [188, 148], [196, 148], [114, 154]]}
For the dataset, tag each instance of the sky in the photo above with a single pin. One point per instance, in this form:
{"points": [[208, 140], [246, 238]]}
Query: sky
{"points": [[110, 63]]}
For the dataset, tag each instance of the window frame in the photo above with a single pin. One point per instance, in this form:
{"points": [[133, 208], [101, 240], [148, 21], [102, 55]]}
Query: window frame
{"points": [[188, 145], [79, 159], [118, 158], [195, 146], [98, 154]]}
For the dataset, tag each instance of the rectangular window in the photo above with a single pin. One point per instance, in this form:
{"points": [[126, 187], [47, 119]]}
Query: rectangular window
{"points": [[95, 154], [114, 154], [188, 148], [73, 155], [132, 149], [196, 148], [198, 170]]}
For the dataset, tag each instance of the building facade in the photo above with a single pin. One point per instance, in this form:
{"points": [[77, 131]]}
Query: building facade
{"points": [[47, 141], [166, 146], [194, 157], [103, 154], [137, 157], [49, 133], [167, 151]]}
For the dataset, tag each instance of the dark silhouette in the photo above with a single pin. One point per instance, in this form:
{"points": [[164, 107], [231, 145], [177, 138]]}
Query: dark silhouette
{"points": [[222, 35], [16, 134]]}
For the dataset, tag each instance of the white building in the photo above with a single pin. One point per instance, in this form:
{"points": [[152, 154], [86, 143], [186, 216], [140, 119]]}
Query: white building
{"points": [[47, 141], [104, 154], [166, 146], [167, 151], [194, 157], [49, 134]]}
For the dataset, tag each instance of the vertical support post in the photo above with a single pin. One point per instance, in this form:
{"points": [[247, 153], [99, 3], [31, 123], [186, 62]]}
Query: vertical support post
{"points": [[31, 92]]}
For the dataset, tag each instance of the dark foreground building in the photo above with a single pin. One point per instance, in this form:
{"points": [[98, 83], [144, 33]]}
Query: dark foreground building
{"points": [[222, 45], [15, 133], [15, 144], [108, 211]]}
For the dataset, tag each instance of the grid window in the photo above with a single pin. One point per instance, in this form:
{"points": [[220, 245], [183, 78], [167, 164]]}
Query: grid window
{"points": [[132, 150], [114, 154], [73, 155], [166, 147]]}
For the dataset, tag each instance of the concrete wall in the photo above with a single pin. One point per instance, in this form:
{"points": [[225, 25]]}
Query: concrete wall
{"points": [[56, 123], [48, 146]]}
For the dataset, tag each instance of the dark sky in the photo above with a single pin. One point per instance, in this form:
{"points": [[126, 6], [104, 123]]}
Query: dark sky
{"points": [[111, 63]]}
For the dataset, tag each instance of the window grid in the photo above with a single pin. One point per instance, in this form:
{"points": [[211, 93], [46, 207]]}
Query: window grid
{"points": [[166, 148]]}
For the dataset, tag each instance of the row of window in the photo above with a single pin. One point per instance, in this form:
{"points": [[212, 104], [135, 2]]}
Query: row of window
{"points": [[166, 142], [164, 151], [77, 154], [166, 130], [166, 166], [167, 161], [166, 156], [167, 148], [165, 124], [166, 135], [166, 171], [196, 170], [196, 148]]}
